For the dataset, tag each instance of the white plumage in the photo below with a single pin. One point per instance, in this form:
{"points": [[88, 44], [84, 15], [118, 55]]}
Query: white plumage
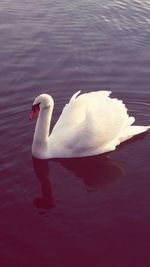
{"points": [[90, 124]]}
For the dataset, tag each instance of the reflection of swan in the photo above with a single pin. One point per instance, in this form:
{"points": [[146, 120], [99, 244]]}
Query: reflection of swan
{"points": [[90, 124], [94, 171], [42, 172]]}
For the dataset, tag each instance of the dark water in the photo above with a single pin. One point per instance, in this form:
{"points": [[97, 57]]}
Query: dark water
{"points": [[87, 212]]}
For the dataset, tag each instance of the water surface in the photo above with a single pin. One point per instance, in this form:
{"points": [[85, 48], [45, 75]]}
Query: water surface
{"points": [[87, 212]]}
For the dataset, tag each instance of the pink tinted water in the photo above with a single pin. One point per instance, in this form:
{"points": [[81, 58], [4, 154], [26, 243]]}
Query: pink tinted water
{"points": [[81, 212]]}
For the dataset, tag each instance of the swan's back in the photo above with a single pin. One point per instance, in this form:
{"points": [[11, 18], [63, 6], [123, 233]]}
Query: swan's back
{"points": [[91, 123]]}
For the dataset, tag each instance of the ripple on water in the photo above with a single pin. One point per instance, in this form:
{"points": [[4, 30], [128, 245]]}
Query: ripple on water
{"points": [[60, 47]]}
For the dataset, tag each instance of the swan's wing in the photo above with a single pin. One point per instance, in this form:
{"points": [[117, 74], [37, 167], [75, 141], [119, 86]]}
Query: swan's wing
{"points": [[91, 121], [91, 124], [104, 121], [74, 113]]}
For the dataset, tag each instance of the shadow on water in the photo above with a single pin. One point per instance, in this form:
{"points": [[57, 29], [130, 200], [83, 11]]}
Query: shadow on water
{"points": [[95, 171], [41, 168]]}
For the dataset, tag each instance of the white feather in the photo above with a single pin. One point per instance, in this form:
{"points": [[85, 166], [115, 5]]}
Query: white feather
{"points": [[90, 124]]}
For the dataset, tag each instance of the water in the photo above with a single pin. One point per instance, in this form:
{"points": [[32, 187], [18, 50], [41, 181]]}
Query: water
{"points": [[87, 212]]}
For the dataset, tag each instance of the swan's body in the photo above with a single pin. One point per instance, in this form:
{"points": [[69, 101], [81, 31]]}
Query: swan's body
{"points": [[90, 124]]}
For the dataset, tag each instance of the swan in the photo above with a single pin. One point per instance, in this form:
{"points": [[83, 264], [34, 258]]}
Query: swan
{"points": [[90, 124]]}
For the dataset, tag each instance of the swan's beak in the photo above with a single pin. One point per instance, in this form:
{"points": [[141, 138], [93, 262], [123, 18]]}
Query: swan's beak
{"points": [[34, 112], [33, 115]]}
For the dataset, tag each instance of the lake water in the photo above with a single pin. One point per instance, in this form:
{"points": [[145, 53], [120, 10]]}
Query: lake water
{"points": [[94, 211]]}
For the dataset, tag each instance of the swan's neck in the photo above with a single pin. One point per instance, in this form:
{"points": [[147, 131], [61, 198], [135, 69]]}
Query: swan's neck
{"points": [[43, 124]]}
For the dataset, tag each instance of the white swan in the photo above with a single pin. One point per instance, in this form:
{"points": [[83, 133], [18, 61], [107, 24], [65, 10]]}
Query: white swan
{"points": [[90, 124]]}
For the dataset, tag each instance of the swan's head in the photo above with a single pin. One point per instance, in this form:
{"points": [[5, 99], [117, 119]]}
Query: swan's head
{"points": [[42, 101]]}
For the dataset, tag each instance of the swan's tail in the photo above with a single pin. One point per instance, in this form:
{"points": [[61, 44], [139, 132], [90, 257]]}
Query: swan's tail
{"points": [[132, 131]]}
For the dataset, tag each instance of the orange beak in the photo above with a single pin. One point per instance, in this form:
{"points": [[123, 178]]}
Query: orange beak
{"points": [[34, 112]]}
